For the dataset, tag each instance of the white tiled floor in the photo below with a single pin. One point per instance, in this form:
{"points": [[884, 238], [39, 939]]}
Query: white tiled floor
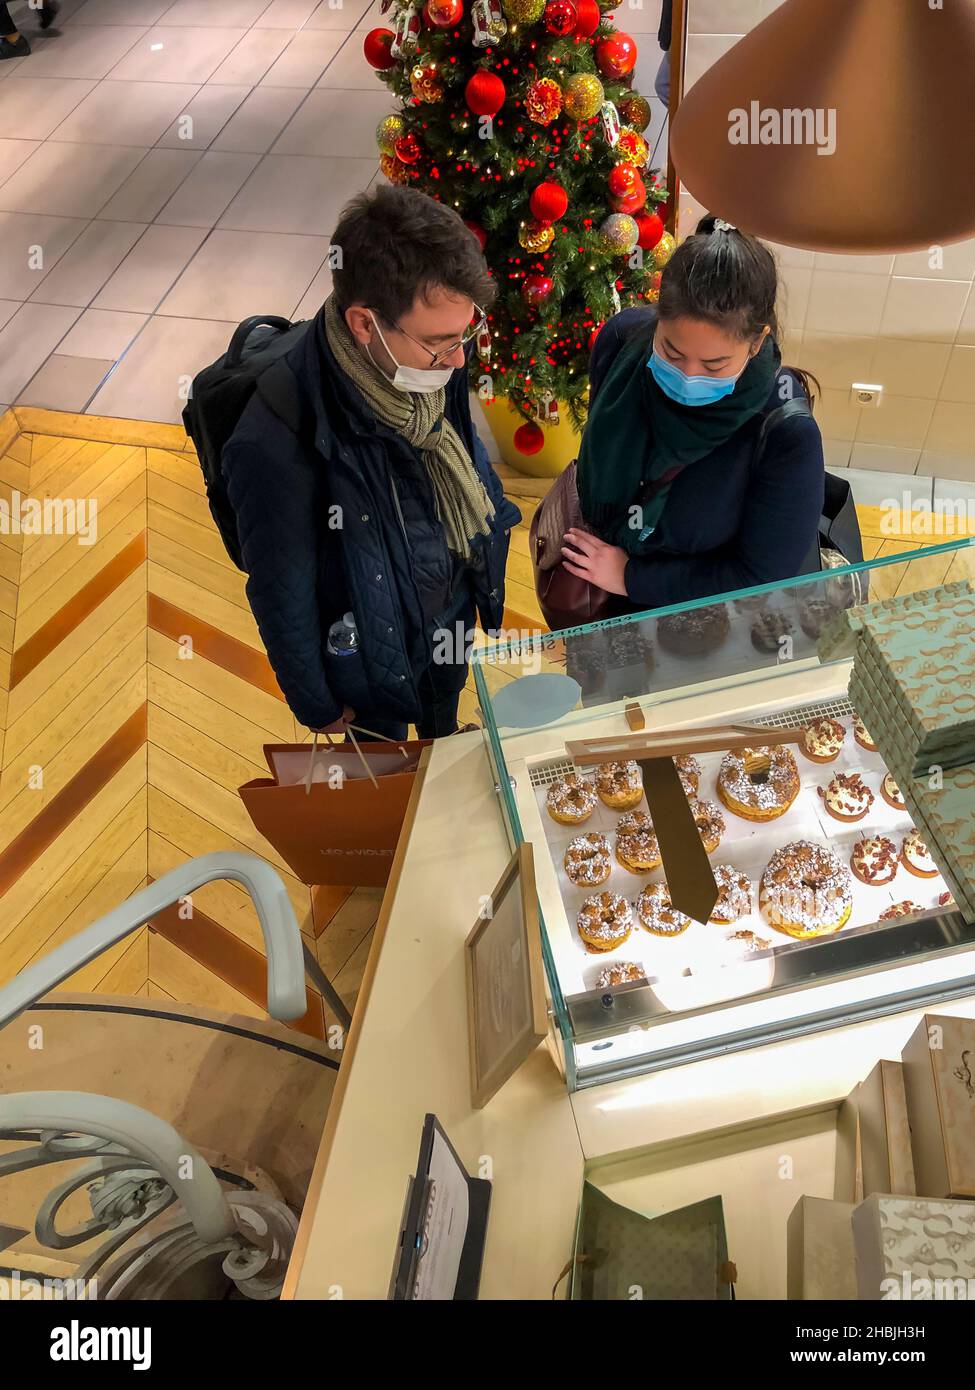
{"points": [[155, 236], [134, 240]]}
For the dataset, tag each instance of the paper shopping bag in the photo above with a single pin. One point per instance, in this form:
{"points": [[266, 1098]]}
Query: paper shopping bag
{"points": [[343, 829]]}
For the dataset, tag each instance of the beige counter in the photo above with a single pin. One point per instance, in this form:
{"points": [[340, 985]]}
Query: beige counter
{"points": [[408, 1054]]}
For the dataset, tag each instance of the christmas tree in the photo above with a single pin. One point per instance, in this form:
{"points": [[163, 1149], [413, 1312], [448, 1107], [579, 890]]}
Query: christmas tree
{"points": [[520, 114]]}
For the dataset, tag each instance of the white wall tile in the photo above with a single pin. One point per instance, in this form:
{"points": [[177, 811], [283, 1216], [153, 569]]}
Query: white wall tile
{"points": [[966, 331], [959, 382], [838, 359], [925, 309], [836, 453], [899, 421], [794, 284], [952, 429], [791, 255], [884, 459], [703, 51], [906, 367], [948, 465], [843, 302], [861, 265], [722, 16], [838, 418], [957, 262]]}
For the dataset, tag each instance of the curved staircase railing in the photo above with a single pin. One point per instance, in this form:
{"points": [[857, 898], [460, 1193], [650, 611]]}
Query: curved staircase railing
{"points": [[139, 1166]]}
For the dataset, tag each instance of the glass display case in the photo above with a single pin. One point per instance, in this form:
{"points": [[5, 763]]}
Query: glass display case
{"points": [[650, 988]]}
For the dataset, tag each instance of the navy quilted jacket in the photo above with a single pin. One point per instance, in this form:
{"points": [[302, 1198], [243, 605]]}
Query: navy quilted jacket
{"points": [[340, 515]]}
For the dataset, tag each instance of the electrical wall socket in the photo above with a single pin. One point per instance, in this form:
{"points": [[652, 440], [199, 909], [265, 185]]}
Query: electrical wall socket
{"points": [[862, 393]]}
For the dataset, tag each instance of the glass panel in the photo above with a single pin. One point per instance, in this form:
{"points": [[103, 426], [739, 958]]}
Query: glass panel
{"points": [[777, 655]]}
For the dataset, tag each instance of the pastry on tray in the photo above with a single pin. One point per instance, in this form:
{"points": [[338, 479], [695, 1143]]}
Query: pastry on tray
{"points": [[605, 921], [759, 795], [805, 891], [571, 800]]}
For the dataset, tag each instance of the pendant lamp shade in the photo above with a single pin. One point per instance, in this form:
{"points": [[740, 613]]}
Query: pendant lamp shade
{"points": [[839, 125]]}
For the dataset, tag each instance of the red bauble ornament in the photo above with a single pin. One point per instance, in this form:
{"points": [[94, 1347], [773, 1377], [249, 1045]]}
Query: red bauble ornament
{"points": [[478, 232], [485, 94], [622, 179], [549, 202], [593, 336], [376, 46], [651, 230], [441, 14], [408, 148], [535, 290], [616, 55], [529, 438], [587, 18], [631, 202], [560, 17]]}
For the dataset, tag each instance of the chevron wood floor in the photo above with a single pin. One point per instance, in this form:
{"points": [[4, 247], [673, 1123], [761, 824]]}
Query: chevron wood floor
{"points": [[135, 697]]}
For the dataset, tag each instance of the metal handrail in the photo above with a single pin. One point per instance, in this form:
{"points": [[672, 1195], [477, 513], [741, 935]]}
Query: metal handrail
{"points": [[283, 943], [139, 1133]]}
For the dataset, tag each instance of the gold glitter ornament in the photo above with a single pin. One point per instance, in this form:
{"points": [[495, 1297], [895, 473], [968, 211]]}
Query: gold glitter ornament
{"points": [[631, 148], [543, 101], [583, 96], [393, 169], [524, 11], [619, 233], [663, 250], [388, 131], [635, 110], [425, 82], [535, 236]]}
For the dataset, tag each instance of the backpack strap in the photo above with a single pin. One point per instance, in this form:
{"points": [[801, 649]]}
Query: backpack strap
{"points": [[786, 411]]}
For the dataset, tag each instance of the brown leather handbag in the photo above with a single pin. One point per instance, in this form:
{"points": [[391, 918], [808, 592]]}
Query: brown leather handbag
{"points": [[564, 598]]}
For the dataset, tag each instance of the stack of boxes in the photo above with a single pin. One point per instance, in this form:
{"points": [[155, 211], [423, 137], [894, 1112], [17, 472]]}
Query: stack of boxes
{"points": [[902, 1222], [913, 684]]}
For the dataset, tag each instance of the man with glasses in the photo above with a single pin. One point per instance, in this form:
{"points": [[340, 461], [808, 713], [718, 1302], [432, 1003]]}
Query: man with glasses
{"points": [[381, 503]]}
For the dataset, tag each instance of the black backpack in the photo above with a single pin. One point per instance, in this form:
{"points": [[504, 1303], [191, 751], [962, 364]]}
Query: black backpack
{"points": [[217, 399]]}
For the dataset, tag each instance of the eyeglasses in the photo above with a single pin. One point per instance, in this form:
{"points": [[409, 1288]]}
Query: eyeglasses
{"points": [[437, 357]]}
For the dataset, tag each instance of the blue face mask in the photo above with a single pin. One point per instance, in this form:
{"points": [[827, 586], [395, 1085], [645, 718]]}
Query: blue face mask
{"points": [[690, 390]]}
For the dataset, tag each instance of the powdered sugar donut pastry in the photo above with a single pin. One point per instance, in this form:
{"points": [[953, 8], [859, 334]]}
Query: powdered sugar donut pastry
{"points": [[619, 785], [846, 796], [571, 800], [768, 630], [621, 972], [903, 909], [805, 891], [822, 740], [689, 770], [755, 797], [862, 735], [734, 895], [587, 860], [694, 632], [605, 921], [892, 793], [916, 858], [814, 613], [656, 913], [874, 861], [709, 822], [636, 844]]}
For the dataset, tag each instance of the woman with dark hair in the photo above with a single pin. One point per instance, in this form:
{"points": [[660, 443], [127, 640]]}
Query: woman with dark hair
{"points": [[687, 493]]}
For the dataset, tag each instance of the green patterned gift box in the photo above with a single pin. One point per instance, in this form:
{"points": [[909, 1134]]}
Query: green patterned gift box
{"points": [[923, 657], [838, 637]]}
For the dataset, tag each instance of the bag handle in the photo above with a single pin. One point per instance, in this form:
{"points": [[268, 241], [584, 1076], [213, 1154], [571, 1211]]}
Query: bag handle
{"points": [[243, 331], [355, 743]]}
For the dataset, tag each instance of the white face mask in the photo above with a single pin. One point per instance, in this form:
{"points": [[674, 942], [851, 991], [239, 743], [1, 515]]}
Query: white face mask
{"points": [[422, 379]]}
